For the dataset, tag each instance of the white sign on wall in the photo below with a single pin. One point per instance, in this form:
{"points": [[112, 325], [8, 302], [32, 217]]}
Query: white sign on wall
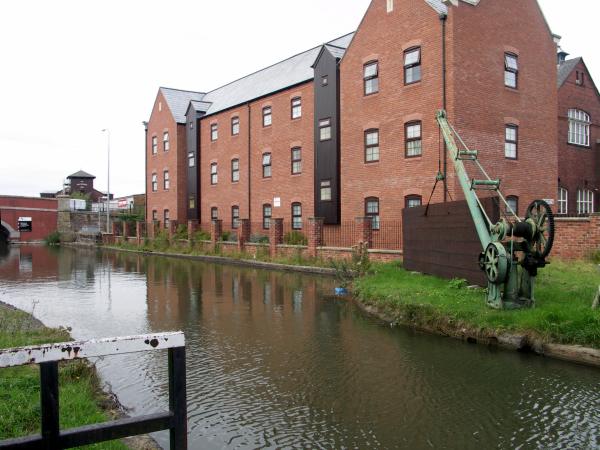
{"points": [[277, 202]]}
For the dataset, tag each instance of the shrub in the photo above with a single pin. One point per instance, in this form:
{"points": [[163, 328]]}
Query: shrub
{"points": [[295, 238], [201, 236], [228, 236], [458, 283], [181, 232], [259, 239], [595, 257], [53, 238]]}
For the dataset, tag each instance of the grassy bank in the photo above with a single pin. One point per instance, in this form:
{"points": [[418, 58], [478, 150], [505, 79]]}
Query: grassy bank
{"points": [[563, 313], [80, 396]]}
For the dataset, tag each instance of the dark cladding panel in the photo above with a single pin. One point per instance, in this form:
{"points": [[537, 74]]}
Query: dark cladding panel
{"points": [[327, 153], [193, 147], [445, 242]]}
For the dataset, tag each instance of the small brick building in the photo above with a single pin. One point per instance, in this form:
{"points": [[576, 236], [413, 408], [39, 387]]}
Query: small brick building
{"points": [[347, 129]]}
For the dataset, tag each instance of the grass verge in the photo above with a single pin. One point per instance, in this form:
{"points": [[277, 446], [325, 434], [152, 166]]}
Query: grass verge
{"points": [[81, 398], [563, 314]]}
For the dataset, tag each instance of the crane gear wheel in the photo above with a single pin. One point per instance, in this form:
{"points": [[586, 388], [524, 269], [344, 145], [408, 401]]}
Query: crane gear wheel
{"points": [[495, 263], [541, 214]]}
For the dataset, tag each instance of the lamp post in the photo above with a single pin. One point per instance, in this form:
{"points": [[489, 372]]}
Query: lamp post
{"points": [[107, 131]]}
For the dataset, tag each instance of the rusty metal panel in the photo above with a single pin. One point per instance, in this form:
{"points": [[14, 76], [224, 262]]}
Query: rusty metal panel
{"points": [[444, 242]]}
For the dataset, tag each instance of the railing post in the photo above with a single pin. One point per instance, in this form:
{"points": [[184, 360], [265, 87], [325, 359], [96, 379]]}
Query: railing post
{"points": [[365, 231], [178, 398], [243, 234], [276, 236], [315, 235], [172, 228], [138, 233], [216, 229], [49, 403]]}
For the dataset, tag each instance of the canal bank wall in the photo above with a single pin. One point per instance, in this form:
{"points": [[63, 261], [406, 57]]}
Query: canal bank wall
{"points": [[522, 342], [107, 401]]}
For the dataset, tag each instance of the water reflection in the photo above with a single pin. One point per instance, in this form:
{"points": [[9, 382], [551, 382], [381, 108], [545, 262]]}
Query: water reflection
{"points": [[274, 362]]}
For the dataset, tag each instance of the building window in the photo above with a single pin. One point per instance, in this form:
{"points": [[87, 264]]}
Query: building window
{"points": [[154, 215], [511, 142], [412, 139], [325, 129], [214, 213], [579, 127], [167, 220], [166, 180], [324, 80], [235, 217], [511, 70], [191, 159], [214, 177], [296, 216], [154, 145], [390, 6], [579, 78], [563, 201], [513, 203], [412, 65], [372, 211], [371, 145], [326, 190], [235, 170], [154, 182], [235, 126], [266, 165], [192, 202], [296, 108], [267, 114], [166, 145], [585, 201], [371, 77], [214, 132], [267, 214], [296, 160], [412, 201], [191, 125]]}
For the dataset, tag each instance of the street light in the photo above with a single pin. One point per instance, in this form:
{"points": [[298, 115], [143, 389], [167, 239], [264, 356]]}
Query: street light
{"points": [[107, 131]]}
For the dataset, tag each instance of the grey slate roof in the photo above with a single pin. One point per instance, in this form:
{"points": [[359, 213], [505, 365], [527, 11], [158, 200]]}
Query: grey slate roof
{"points": [[179, 100], [292, 71], [81, 174], [565, 68]]}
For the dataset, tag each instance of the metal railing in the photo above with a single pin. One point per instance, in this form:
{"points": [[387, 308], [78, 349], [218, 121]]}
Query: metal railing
{"points": [[48, 356]]}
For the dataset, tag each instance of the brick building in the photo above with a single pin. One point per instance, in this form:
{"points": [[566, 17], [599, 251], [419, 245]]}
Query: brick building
{"points": [[579, 139], [348, 128]]}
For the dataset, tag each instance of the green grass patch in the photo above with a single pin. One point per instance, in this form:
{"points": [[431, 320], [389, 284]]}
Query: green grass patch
{"points": [[80, 394], [563, 314]]}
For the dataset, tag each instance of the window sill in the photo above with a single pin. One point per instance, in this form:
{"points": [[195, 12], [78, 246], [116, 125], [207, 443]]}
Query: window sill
{"points": [[579, 146], [413, 157], [296, 174], [296, 119], [372, 163], [413, 84], [373, 94], [511, 89], [506, 158], [267, 179]]}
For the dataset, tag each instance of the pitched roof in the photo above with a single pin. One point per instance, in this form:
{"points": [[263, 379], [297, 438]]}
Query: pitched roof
{"points": [[179, 100], [565, 68], [289, 72], [81, 174]]}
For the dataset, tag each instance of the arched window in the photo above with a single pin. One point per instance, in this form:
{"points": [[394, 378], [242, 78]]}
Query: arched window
{"points": [[563, 201], [372, 211], [412, 201], [214, 213], [579, 127], [585, 201]]}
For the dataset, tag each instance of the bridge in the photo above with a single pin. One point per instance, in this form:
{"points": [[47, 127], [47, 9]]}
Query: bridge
{"points": [[27, 219]]}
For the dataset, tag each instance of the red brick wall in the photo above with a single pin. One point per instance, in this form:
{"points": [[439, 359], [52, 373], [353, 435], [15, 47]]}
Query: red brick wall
{"points": [[578, 165], [576, 238], [278, 139], [478, 102], [43, 213], [174, 161]]}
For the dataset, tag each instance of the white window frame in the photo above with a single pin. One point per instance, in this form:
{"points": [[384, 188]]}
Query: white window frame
{"points": [[563, 201], [214, 132], [166, 144], [579, 127], [585, 201], [214, 174]]}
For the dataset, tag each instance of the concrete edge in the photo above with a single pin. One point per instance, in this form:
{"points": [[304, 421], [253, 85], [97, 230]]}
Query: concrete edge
{"points": [[570, 353], [232, 261]]}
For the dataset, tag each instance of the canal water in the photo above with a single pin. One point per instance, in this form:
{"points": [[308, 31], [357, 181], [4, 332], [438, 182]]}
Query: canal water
{"points": [[275, 362]]}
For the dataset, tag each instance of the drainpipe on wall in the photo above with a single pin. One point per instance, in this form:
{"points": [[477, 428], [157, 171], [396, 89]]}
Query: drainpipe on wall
{"points": [[443, 19], [249, 165]]}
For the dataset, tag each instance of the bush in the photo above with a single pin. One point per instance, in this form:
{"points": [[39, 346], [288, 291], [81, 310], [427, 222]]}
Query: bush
{"points": [[201, 236], [181, 232], [228, 236], [295, 238], [259, 239], [53, 238], [595, 257]]}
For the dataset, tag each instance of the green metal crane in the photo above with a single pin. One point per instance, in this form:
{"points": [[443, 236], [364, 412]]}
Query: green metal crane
{"points": [[513, 248]]}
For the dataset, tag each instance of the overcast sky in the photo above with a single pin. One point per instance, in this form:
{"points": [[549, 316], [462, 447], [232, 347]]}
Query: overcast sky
{"points": [[70, 68]]}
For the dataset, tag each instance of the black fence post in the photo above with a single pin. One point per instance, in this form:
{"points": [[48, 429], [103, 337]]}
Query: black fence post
{"points": [[49, 403], [178, 398]]}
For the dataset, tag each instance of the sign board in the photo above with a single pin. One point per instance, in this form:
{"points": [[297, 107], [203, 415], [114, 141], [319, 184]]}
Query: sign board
{"points": [[277, 202], [24, 224]]}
